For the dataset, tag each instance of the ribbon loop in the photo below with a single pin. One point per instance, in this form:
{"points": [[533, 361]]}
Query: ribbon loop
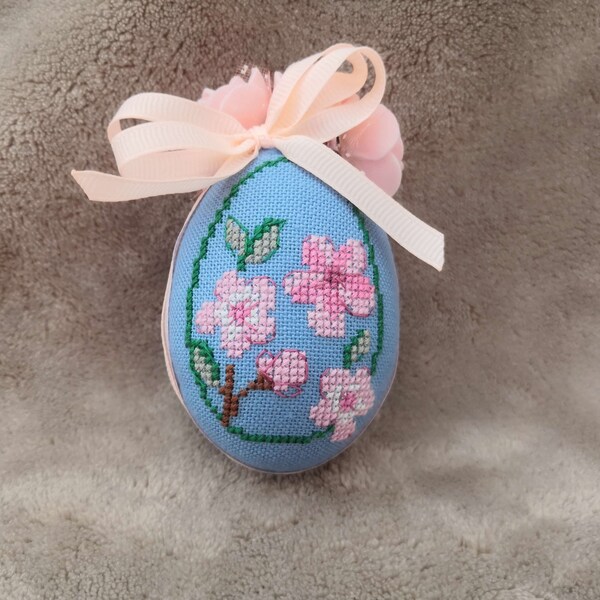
{"points": [[183, 146]]}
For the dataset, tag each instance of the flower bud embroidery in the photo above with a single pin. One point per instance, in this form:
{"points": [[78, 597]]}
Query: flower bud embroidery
{"points": [[287, 371]]}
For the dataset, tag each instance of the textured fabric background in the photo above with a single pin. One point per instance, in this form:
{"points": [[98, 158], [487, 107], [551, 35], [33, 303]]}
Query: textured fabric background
{"points": [[481, 477]]}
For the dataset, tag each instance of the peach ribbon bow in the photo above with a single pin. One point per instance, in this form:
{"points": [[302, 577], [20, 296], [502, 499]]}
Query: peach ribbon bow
{"points": [[183, 146]]}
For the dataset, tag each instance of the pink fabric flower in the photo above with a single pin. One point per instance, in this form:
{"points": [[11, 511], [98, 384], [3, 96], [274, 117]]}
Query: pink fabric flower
{"points": [[334, 283], [343, 397], [287, 371], [247, 101], [375, 147], [241, 311]]}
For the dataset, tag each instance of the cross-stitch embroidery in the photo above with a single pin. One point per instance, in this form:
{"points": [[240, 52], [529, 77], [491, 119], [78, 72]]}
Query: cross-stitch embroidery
{"points": [[359, 346], [255, 249], [287, 371], [334, 283], [344, 396], [241, 311]]}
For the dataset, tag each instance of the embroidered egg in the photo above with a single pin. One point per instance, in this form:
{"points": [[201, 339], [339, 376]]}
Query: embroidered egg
{"points": [[281, 321]]}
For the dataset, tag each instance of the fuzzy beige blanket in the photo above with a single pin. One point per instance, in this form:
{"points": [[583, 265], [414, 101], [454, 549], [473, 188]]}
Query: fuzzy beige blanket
{"points": [[481, 477]]}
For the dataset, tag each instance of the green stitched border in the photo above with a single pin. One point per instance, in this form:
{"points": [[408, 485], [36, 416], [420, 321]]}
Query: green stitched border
{"points": [[191, 343], [371, 254]]}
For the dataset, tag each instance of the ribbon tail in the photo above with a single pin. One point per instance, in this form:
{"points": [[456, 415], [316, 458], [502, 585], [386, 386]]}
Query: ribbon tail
{"points": [[414, 235]]}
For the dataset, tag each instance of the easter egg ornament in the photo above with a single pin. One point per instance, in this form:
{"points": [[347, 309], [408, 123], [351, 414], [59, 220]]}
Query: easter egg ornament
{"points": [[281, 321]]}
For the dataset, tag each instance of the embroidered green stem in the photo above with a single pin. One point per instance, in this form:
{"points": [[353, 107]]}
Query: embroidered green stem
{"points": [[371, 256]]}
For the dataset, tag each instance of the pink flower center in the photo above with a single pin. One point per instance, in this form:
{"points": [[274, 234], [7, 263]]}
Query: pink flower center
{"points": [[348, 401], [331, 279], [240, 312], [335, 277]]}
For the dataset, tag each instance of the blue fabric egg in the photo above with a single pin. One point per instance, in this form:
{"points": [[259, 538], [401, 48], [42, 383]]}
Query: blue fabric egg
{"points": [[281, 323]]}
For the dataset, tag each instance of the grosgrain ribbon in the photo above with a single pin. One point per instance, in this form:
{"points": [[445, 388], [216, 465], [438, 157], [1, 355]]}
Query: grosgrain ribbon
{"points": [[183, 146]]}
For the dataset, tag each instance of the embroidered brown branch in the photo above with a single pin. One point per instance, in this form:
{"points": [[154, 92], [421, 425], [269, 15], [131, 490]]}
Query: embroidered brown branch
{"points": [[231, 401]]}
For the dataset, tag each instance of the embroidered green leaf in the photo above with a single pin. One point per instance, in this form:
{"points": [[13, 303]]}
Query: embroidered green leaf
{"points": [[205, 365], [236, 236], [264, 243], [359, 346]]}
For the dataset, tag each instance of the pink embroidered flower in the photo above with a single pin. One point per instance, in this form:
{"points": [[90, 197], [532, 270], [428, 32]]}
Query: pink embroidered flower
{"points": [[241, 311], [287, 371], [247, 101], [375, 147], [343, 397], [334, 283]]}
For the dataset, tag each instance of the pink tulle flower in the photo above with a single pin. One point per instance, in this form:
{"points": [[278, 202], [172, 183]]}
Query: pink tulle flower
{"points": [[241, 311], [334, 283], [344, 396], [375, 147], [287, 371], [247, 101]]}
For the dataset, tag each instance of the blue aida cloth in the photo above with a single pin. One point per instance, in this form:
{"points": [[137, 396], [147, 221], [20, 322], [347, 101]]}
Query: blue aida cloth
{"points": [[283, 318]]}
